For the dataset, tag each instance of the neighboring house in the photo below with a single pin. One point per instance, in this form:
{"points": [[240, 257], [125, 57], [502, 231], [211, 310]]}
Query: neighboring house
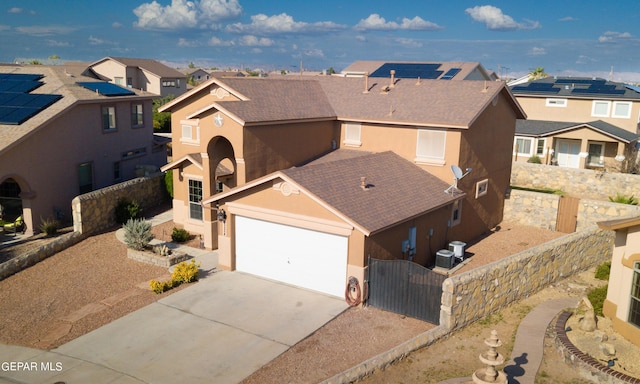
{"points": [[198, 75], [413, 70], [594, 144], [144, 74], [622, 305], [262, 161], [577, 122], [63, 135]]}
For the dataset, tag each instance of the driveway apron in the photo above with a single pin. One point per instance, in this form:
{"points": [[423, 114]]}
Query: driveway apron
{"points": [[220, 330]]}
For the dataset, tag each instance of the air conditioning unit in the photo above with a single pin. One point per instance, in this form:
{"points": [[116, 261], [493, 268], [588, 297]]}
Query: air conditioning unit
{"points": [[444, 259], [457, 247]]}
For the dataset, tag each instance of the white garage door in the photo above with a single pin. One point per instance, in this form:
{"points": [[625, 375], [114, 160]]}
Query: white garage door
{"points": [[296, 256]]}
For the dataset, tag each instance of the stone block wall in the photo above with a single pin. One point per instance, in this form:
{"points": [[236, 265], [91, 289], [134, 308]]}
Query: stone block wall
{"points": [[583, 183], [592, 211], [34, 256], [533, 209], [473, 295], [94, 211]]}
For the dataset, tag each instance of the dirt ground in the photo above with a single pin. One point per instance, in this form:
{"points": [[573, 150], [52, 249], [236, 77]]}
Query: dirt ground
{"points": [[37, 300]]}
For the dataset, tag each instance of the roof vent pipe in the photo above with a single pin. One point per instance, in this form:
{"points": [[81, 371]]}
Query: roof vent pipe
{"points": [[363, 183], [419, 81], [366, 82], [393, 78]]}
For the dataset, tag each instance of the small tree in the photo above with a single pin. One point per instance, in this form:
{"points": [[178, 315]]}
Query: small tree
{"points": [[137, 234]]}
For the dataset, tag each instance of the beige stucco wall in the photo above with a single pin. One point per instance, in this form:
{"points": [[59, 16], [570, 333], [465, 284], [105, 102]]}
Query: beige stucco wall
{"points": [[577, 110], [617, 304], [45, 165]]}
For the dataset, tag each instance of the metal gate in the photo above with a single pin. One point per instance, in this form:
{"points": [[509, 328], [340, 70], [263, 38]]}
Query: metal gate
{"points": [[567, 214], [406, 288]]}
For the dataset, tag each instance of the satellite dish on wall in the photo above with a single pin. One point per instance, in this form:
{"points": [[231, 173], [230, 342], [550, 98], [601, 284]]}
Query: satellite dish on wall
{"points": [[457, 175]]}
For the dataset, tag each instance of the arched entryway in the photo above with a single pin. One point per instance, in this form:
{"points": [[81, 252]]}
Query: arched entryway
{"points": [[10, 200], [222, 165]]}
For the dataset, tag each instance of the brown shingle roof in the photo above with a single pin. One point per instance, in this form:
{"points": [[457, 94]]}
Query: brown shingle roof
{"points": [[277, 100], [397, 189], [57, 80], [153, 66]]}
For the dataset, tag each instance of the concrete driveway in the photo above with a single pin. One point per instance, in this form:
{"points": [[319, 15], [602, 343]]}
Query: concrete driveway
{"points": [[219, 330]]}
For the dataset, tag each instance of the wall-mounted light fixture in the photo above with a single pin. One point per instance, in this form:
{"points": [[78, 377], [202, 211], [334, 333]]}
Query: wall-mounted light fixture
{"points": [[222, 215]]}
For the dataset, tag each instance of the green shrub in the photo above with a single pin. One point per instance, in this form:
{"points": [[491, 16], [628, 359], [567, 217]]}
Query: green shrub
{"points": [[623, 199], [168, 182], [183, 273], [535, 159], [179, 235], [603, 270], [127, 209], [597, 297], [49, 226], [137, 234]]}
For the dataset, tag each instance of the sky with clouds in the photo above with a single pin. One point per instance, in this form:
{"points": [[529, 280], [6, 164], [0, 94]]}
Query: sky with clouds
{"points": [[567, 37]]}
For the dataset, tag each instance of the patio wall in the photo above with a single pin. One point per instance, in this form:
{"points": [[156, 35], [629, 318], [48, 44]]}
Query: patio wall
{"points": [[583, 183], [94, 211], [475, 294], [540, 210]]}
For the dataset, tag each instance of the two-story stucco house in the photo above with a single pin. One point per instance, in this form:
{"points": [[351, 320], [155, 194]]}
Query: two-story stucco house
{"points": [[144, 74], [300, 179], [63, 134], [577, 122]]}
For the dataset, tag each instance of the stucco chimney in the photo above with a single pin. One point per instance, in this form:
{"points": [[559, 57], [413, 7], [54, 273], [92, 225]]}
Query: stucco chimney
{"points": [[393, 78]]}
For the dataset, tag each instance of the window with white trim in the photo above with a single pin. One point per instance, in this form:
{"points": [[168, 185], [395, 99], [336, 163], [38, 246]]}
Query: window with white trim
{"points": [[195, 197], [522, 146], [190, 134], [352, 134], [621, 109], [137, 116], [556, 102], [600, 108], [108, 119], [596, 154], [482, 188], [541, 149], [430, 146], [634, 307]]}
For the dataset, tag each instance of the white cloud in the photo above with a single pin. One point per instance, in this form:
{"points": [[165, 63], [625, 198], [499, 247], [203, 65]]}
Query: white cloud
{"points": [[375, 22], [314, 53], [216, 42], [184, 14], [409, 43], [252, 41], [4, 27], [180, 14], [46, 30], [610, 36], [15, 10], [185, 43], [568, 18], [282, 23], [116, 25], [54, 43], [537, 51], [495, 20]]}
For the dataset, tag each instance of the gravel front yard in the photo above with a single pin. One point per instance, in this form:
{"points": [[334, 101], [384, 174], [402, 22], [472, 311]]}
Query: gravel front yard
{"points": [[93, 283]]}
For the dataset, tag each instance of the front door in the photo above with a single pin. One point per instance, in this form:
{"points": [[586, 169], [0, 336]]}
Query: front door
{"points": [[568, 153]]}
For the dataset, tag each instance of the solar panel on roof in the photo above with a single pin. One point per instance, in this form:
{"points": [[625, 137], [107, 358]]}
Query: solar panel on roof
{"points": [[450, 73], [408, 71], [536, 88], [580, 81], [17, 105], [106, 89]]}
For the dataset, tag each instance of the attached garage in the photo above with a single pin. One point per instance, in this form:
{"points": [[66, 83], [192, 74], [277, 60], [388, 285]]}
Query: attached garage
{"points": [[298, 256]]}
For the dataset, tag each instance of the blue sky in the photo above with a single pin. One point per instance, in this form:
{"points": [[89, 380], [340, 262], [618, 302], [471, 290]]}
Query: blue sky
{"points": [[566, 37]]}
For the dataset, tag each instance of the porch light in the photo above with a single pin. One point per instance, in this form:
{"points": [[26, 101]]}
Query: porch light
{"points": [[620, 158], [222, 215]]}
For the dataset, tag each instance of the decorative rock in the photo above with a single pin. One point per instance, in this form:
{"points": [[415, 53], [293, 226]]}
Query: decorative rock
{"points": [[608, 349], [600, 336]]}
